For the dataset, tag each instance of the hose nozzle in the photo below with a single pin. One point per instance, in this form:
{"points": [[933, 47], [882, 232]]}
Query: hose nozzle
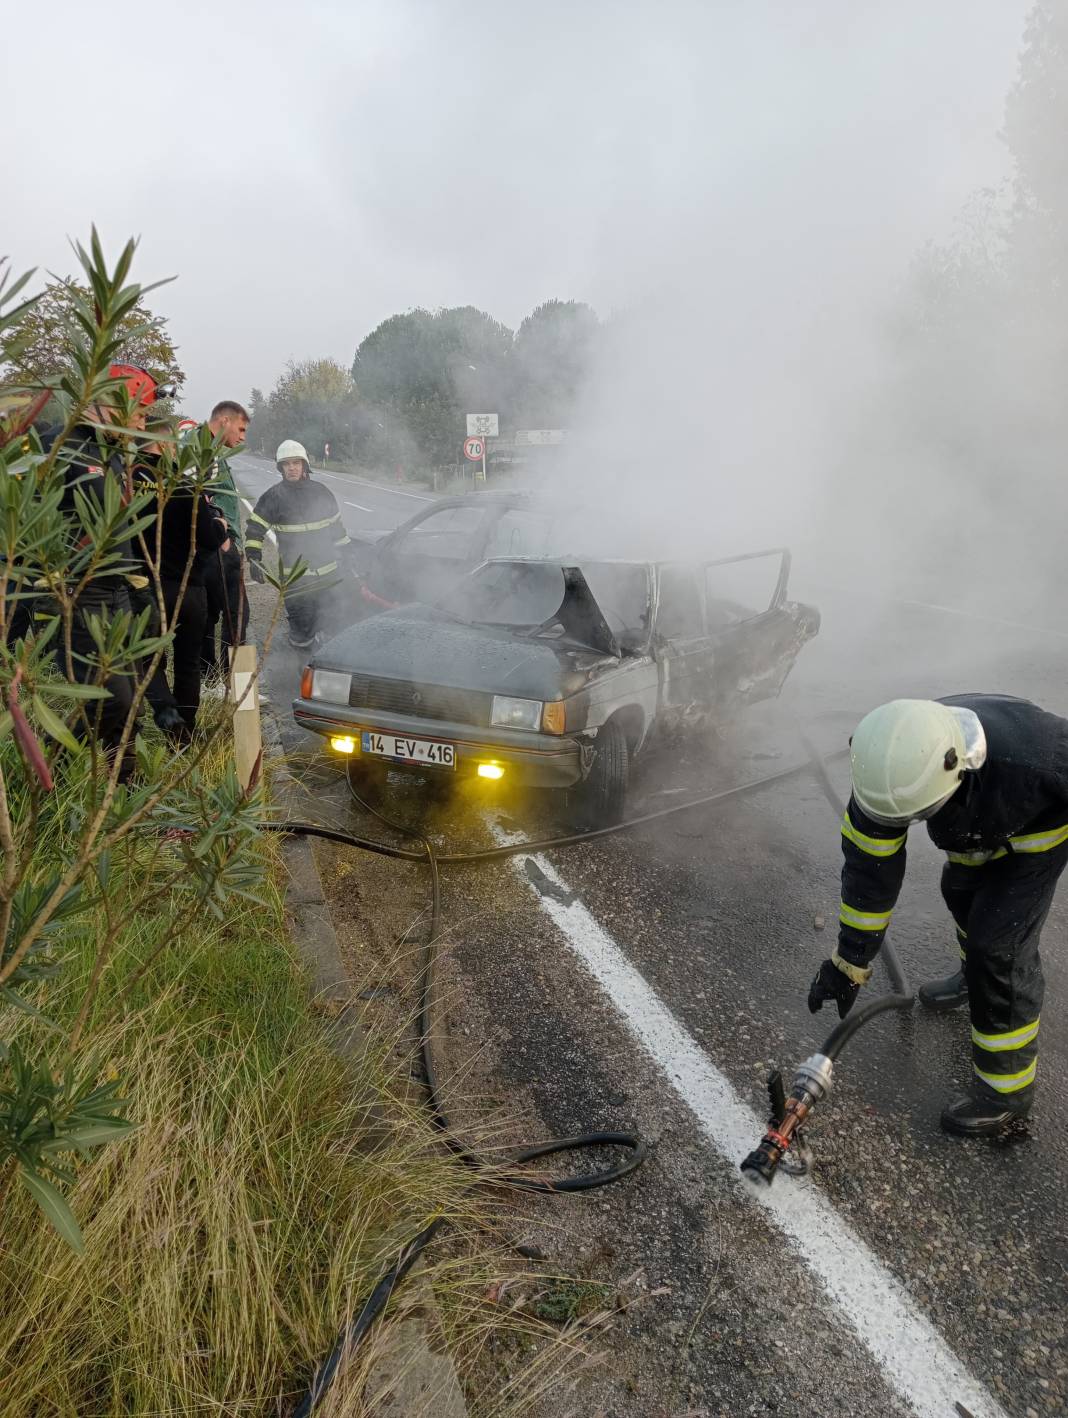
{"points": [[811, 1083]]}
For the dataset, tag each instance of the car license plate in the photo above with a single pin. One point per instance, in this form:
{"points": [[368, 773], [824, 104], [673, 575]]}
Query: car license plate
{"points": [[441, 755]]}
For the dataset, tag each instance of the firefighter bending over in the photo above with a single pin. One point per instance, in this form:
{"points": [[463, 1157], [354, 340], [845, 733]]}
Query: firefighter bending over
{"points": [[989, 775], [306, 522]]}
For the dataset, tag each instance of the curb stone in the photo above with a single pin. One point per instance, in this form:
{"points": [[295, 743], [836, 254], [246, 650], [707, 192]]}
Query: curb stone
{"points": [[409, 1377]]}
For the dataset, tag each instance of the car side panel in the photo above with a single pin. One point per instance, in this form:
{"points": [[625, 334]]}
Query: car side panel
{"points": [[627, 686]]}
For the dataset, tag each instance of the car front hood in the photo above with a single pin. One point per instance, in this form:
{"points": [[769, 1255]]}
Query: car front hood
{"points": [[420, 644]]}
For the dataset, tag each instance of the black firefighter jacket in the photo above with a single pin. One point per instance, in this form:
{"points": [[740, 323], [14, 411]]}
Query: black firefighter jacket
{"points": [[1016, 803], [306, 522]]}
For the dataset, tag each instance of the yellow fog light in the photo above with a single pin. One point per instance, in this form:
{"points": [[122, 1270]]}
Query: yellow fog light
{"points": [[490, 770], [343, 743]]}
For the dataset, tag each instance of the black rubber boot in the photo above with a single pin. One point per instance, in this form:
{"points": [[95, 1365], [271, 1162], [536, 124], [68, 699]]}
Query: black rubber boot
{"points": [[948, 993], [975, 1116]]}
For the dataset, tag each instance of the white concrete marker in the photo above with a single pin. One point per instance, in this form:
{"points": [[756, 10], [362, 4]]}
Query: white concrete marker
{"points": [[916, 1360]]}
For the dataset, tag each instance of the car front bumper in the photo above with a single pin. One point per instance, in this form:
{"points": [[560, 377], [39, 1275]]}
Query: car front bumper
{"points": [[534, 760]]}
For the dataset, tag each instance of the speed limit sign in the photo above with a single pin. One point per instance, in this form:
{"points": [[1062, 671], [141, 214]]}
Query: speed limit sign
{"points": [[474, 449]]}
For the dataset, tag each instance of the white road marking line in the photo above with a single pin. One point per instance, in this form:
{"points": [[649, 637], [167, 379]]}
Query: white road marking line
{"points": [[906, 1346], [359, 505]]}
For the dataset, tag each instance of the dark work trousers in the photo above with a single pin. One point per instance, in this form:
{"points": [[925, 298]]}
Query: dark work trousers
{"points": [[106, 717], [309, 610], [226, 609], [1000, 908], [183, 690]]}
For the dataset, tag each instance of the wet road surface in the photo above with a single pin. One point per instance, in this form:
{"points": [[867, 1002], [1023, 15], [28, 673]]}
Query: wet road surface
{"points": [[651, 979]]}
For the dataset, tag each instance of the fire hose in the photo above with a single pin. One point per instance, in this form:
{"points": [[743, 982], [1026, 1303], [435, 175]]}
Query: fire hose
{"points": [[788, 1114]]}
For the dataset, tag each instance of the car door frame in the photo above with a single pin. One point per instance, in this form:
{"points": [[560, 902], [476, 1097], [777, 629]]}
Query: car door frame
{"points": [[750, 653], [489, 513], [684, 664]]}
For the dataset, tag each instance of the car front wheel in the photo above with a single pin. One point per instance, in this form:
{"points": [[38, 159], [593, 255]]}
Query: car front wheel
{"points": [[600, 799]]}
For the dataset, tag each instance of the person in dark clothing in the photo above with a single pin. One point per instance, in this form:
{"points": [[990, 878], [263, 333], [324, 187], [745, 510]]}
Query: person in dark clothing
{"points": [[306, 522], [95, 455], [989, 775], [180, 543], [226, 604]]}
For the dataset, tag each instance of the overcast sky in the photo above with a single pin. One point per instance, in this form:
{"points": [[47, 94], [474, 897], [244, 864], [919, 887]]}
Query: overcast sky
{"points": [[307, 170]]}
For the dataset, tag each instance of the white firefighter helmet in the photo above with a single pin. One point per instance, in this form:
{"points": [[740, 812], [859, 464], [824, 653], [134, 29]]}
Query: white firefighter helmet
{"points": [[290, 448], [908, 757]]}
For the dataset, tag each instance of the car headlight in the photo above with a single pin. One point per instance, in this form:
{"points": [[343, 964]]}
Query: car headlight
{"points": [[331, 685], [515, 713]]}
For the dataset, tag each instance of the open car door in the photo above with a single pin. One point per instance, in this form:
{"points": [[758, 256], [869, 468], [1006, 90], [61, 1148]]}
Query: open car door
{"points": [[685, 655], [755, 632]]}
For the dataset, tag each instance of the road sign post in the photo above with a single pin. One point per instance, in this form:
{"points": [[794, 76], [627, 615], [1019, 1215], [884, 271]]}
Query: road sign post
{"points": [[482, 426]]}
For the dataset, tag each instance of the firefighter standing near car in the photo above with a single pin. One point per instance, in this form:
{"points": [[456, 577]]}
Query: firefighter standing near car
{"points": [[306, 522], [989, 775]]}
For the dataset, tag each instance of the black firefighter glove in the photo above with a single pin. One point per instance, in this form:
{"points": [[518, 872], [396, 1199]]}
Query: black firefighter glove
{"points": [[830, 983], [255, 569]]}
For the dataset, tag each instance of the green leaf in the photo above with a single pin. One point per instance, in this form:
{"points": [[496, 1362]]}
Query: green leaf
{"points": [[54, 726], [91, 1135], [63, 689], [54, 1207]]}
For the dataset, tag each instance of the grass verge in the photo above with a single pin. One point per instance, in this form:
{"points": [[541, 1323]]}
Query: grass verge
{"points": [[257, 1200]]}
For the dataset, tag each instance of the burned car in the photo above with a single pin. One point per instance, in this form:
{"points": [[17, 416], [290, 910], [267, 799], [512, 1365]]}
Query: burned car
{"points": [[555, 673]]}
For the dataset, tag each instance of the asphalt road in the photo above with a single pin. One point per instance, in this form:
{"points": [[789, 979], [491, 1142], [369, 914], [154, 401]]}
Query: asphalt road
{"points": [[651, 979]]}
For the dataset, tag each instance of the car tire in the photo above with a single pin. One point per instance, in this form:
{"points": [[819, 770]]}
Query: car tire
{"points": [[600, 799]]}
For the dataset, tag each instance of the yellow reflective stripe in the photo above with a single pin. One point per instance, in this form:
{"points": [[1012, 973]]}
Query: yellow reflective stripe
{"points": [[323, 570], [1012, 1039], [1029, 842], [1009, 1082], [344, 542], [1040, 841], [305, 526], [864, 920], [874, 846], [252, 543], [255, 517]]}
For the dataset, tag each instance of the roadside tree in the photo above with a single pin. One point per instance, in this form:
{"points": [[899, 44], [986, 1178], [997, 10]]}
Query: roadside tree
{"points": [[41, 347]]}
